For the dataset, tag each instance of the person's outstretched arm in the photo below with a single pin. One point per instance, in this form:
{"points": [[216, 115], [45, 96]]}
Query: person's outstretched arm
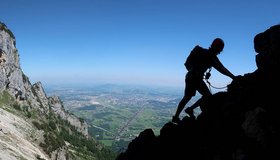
{"points": [[220, 67]]}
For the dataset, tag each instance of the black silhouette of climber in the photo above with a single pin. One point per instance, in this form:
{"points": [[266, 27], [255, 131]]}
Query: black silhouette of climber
{"points": [[197, 63]]}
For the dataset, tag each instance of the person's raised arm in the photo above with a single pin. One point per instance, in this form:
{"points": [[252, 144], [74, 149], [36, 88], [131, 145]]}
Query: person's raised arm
{"points": [[220, 67]]}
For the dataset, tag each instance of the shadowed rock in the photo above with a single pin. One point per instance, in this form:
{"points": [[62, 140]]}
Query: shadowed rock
{"points": [[242, 123]]}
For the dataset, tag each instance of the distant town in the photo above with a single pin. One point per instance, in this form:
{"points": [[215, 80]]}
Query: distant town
{"points": [[116, 114]]}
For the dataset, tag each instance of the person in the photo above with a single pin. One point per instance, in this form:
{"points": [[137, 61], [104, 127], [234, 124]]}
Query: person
{"points": [[194, 77]]}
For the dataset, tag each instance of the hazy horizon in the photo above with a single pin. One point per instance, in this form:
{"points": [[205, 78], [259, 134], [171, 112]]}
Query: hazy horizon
{"points": [[132, 42]]}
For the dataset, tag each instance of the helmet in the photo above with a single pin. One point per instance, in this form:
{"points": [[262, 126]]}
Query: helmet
{"points": [[218, 44]]}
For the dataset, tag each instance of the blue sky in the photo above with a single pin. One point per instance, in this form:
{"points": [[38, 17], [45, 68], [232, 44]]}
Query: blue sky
{"points": [[132, 41]]}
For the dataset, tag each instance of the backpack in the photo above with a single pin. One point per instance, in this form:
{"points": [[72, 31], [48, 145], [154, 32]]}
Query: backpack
{"points": [[195, 58]]}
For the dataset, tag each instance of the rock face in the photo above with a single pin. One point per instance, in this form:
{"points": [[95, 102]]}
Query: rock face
{"points": [[11, 76], [17, 84], [242, 123], [15, 139], [57, 106], [13, 80]]}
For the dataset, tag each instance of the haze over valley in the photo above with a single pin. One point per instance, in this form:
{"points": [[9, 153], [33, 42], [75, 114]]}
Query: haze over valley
{"points": [[116, 114]]}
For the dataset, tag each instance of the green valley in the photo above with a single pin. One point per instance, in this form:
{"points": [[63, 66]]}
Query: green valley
{"points": [[116, 114]]}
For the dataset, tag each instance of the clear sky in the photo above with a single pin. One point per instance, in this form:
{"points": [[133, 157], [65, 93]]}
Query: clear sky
{"points": [[132, 41]]}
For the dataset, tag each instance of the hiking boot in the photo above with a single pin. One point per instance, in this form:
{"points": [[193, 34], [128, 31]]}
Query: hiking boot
{"points": [[189, 111], [176, 120]]}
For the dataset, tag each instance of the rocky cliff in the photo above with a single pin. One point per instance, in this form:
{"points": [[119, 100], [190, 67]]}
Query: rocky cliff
{"points": [[242, 123], [18, 85], [31, 123]]}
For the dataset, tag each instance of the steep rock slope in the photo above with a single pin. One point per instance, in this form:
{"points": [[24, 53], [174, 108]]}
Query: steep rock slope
{"points": [[17, 83], [240, 124], [32, 125]]}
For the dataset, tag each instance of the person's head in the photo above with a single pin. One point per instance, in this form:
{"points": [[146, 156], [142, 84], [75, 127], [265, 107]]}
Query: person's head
{"points": [[217, 45]]}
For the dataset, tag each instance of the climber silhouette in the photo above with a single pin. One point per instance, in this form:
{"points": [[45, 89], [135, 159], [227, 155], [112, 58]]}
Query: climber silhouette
{"points": [[197, 63]]}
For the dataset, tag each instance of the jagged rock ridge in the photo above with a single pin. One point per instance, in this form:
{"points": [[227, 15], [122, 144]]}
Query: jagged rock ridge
{"points": [[16, 91], [18, 85], [242, 123]]}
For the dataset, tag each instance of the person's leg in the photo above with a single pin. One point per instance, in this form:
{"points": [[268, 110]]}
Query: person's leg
{"points": [[204, 91], [181, 105], [196, 104], [188, 94]]}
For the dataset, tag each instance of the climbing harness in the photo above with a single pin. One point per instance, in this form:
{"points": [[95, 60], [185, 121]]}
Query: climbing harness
{"points": [[207, 76]]}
